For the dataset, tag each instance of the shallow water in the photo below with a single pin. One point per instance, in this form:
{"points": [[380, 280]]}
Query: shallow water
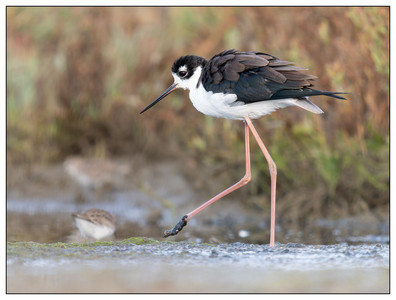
{"points": [[160, 267], [49, 220]]}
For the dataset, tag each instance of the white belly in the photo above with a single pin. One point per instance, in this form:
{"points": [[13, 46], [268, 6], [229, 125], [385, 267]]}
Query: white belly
{"points": [[226, 106], [90, 230]]}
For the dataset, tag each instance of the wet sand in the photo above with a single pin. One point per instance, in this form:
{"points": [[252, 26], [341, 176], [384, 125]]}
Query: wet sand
{"points": [[169, 267]]}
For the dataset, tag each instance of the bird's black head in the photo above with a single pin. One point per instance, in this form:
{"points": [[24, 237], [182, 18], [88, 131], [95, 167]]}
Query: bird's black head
{"points": [[183, 70], [185, 66]]}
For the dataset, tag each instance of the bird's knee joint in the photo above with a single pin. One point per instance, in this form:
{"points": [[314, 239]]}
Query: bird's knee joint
{"points": [[273, 169], [246, 178]]}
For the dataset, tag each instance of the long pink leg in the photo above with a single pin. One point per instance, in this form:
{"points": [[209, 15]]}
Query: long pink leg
{"points": [[273, 172], [245, 179]]}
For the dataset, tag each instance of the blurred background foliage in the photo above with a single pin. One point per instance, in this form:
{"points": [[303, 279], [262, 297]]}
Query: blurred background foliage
{"points": [[77, 78]]}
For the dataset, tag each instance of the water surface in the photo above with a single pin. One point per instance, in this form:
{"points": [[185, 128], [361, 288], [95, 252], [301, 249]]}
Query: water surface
{"points": [[160, 267]]}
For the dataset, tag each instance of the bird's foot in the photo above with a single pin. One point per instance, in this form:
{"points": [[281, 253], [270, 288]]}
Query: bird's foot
{"points": [[179, 226]]}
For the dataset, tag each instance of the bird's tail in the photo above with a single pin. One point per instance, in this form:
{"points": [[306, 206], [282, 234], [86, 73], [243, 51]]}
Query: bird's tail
{"points": [[330, 94], [301, 93]]}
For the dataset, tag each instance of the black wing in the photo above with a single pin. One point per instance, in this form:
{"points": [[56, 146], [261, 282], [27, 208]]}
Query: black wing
{"points": [[257, 76]]}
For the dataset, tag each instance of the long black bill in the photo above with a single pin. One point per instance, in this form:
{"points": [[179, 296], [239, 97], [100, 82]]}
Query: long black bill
{"points": [[164, 94]]}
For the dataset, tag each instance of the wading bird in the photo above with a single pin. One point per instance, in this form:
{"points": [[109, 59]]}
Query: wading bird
{"points": [[242, 86]]}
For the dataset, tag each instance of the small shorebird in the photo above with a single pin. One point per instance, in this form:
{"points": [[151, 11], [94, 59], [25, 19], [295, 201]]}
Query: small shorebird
{"points": [[95, 223], [242, 86]]}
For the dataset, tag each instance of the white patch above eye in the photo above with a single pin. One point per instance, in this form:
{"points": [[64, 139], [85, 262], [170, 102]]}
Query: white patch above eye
{"points": [[183, 68]]}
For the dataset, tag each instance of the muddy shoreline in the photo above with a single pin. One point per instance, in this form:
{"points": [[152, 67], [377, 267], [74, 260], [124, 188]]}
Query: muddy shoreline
{"points": [[141, 265]]}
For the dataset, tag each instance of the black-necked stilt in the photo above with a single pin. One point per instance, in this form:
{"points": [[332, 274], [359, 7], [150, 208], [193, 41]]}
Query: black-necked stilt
{"points": [[242, 86]]}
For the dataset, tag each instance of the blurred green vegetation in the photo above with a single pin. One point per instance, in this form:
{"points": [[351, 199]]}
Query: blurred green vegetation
{"points": [[77, 78]]}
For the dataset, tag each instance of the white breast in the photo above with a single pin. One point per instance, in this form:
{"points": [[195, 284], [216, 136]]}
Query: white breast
{"points": [[208, 103], [90, 230]]}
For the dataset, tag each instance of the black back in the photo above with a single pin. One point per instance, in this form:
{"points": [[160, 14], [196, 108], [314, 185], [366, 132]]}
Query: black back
{"points": [[257, 76]]}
